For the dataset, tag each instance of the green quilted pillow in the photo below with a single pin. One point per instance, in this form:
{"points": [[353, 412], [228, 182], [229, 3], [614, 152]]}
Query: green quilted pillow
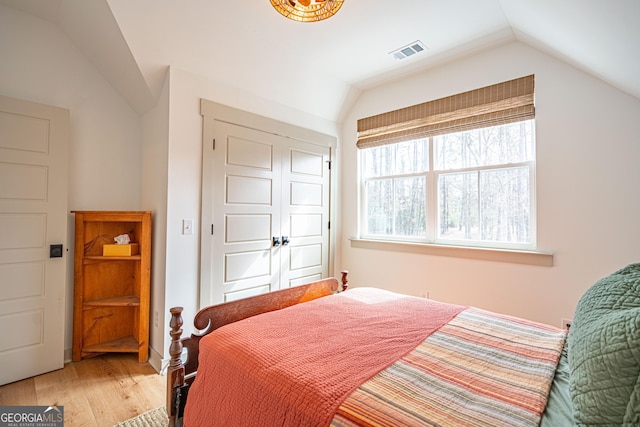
{"points": [[604, 351]]}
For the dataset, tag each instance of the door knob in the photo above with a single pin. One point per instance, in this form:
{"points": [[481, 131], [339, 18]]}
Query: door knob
{"points": [[276, 241], [285, 240], [55, 251]]}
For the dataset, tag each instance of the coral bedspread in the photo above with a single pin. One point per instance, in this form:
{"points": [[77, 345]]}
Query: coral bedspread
{"points": [[297, 366]]}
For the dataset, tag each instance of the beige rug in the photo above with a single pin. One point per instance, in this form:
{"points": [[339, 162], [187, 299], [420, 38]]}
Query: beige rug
{"points": [[154, 418]]}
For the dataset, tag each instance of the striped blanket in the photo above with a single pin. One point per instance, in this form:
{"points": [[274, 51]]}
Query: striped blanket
{"points": [[480, 369]]}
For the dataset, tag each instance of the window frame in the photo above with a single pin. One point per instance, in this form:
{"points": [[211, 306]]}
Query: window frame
{"points": [[432, 203]]}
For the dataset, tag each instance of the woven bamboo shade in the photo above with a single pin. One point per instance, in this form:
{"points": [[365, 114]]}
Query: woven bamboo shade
{"points": [[501, 103], [307, 10]]}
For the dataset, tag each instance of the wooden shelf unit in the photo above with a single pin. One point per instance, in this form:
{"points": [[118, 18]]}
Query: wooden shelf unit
{"points": [[111, 293]]}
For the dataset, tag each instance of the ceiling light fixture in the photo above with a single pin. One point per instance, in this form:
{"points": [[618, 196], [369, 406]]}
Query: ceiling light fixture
{"points": [[307, 10]]}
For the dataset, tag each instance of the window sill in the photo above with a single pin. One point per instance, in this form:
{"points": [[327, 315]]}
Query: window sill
{"points": [[541, 259]]}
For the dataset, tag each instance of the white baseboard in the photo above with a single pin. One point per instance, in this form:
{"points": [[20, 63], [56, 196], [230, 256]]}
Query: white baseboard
{"points": [[68, 355], [157, 361]]}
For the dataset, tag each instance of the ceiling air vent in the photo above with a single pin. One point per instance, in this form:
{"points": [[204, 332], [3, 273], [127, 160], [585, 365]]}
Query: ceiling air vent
{"points": [[408, 50]]}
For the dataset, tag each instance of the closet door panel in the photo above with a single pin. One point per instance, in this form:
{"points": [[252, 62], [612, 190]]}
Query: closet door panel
{"points": [[244, 206], [305, 212]]}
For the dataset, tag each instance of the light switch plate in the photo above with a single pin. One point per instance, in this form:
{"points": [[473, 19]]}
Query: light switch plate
{"points": [[187, 227]]}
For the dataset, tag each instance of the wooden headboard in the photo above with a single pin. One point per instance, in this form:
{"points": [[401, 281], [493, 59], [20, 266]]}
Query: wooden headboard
{"points": [[181, 374]]}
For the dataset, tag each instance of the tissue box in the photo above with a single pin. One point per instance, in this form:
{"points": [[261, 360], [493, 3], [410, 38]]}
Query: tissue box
{"points": [[120, 250]]}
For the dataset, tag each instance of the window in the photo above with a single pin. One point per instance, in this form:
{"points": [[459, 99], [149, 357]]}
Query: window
{"points": [[395, 189], [470, 184]]}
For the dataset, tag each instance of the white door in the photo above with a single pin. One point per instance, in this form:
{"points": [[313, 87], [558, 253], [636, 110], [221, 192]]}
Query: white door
{"points": [[266, 215], [33, 216], [304, 213]]}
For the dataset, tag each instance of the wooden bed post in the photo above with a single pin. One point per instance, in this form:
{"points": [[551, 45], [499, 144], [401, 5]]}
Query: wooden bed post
{"points": [[175, 372], [345, 280]]}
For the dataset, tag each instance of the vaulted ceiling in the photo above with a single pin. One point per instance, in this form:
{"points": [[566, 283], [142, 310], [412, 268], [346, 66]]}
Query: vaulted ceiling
{"points": [[321, 67]]}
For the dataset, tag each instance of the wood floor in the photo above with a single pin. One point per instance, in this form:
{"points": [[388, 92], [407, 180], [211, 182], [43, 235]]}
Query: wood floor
{"points": [[101, 391]]}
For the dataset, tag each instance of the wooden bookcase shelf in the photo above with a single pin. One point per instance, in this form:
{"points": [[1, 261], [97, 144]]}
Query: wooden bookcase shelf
{"points": [[111, 293], [120, 345], [90, 259], [123, 301]]}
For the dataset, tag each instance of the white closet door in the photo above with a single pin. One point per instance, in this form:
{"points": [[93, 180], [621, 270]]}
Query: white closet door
{"points": [[265, 213], [246, 214], [304, 213]]}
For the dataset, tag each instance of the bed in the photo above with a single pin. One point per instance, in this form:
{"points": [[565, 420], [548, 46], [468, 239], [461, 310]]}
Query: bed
{"points": [[313, 356]]}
